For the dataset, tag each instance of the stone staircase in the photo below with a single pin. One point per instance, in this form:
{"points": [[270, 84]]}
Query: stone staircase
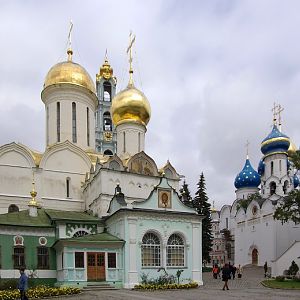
{"points": [[96, 286]]}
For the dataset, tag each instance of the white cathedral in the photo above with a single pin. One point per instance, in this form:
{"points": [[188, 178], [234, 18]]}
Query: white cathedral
{"points": [[256, 237], [99, 209]]}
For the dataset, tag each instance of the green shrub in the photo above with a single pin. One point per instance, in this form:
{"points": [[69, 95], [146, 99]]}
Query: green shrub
{"points": [[293, 269], [8, 284], [167, 286], [206, 269], [280, 278]]}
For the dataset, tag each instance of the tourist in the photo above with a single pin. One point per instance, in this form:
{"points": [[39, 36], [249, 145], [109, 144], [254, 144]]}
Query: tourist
{"points": [[225, 276], [215, 271], [23, 284], [239, 271], [266, 269], [233, 271]]}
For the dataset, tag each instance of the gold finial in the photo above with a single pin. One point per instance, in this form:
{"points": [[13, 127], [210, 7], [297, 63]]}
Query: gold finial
{"points": [[279, 111], [106, 71], [274, 113], [213, 209], [129, 50], [247, 149], [33, 193], [70, 51], [106, 57]]}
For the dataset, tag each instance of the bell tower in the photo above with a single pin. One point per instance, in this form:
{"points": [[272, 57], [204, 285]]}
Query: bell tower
{"points": [[106, 136]]}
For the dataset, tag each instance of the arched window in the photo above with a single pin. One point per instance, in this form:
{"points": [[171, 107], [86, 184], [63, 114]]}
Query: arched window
{"points": [[272, 167], [74, 128], [88, 126], [124, 142], [175, 251], [150, 250], [285, 187], [58, 121], [107, 124], [80, 233], [106, 91], [68, 181], [272, 187], [108, 152], [13, 208]]}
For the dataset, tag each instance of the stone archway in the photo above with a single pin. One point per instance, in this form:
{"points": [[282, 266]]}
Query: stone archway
{"points": [[254, 257]]}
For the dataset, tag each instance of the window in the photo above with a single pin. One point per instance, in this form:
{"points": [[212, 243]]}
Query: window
{"points": [[272, 167], [88, 126], [108, 152], [226, 223], [272, 188], [280, 166], [58, 121], [107, 123], [19, 257], [124, 140], [42, 258], [175, 251], [79, 259], [80, 233], [0, 257], [13, 208], [74, 128], [111, 260], [285, 187], [150, 250], [47, 124], [107, 91], [68, 180], [139, 141]]}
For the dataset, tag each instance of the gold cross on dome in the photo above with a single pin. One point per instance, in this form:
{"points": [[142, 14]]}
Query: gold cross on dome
{"points": [[129, 51], [274, 110], [279, 111]]}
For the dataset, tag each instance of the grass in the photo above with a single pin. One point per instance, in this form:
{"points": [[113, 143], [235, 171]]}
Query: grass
{"points": [[286, 284]]}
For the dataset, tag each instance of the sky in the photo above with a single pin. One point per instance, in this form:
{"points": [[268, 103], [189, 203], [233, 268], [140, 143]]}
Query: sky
{"points": [[211, 71]]}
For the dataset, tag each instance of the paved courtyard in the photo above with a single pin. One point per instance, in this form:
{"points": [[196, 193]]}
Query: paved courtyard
{"points": [[248, 287]]}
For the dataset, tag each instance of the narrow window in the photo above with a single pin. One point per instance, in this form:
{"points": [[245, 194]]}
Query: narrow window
{"points": [[139, 142], [272, 188], [19, 257], [124, 140], [74, 129], [88, 126], [111, 260], [47, 124], [79, 259], [58, 121], [280, 166], [68, 186], [175, 251], [106, 91], [226, 223], [0, 257], [43, 258], [62, 260], [272, 167], [150, 250], [285, 187]]}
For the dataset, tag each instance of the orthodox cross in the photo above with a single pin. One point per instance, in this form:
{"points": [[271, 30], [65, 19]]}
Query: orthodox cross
{"points": [[274, 110], [69, 51], [129, 51], [279, 111], [247, 148]]}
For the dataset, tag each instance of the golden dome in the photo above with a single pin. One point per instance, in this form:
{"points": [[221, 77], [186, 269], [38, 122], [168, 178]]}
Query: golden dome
{"points": [[71, 73], [130, 105], [292, 149]]}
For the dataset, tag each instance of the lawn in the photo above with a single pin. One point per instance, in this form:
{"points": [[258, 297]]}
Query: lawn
{"points": [[286, 284]]}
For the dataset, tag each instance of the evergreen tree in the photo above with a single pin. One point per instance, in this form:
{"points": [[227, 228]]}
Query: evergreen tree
{"points": [[202, 206], [186, 195]]}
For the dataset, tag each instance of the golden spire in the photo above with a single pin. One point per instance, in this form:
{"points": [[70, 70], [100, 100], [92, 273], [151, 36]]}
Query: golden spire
{"points": [[33, 193], [70, 51], [129, 51]]}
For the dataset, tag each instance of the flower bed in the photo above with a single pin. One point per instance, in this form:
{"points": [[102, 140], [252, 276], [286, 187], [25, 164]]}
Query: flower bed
{"points": [[39, 292], [168, 286]]}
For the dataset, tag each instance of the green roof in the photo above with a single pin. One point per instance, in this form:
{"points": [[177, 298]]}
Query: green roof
{"points": [[22, 218], [95, 238], [56, 215]]}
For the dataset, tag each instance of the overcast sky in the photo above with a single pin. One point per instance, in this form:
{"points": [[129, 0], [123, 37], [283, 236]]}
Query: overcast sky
{"points": [[211, 71]]}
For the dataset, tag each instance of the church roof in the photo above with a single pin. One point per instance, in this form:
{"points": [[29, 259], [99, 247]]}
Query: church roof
{"points": [[99, 237], [56, 215]]}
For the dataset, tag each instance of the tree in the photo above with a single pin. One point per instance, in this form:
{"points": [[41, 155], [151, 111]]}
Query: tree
{"points": [[289, 208], [293, 269], [202, 206], [185, 194]]}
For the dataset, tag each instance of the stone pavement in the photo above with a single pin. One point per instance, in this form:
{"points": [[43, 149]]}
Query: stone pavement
{"points": [[248, 287]]}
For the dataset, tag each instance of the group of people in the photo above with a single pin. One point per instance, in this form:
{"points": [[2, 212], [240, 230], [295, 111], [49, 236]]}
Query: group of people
{"points": [[228, 272]]}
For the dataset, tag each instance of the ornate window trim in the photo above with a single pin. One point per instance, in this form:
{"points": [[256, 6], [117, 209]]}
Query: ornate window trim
{"points": [[18, 240], [175, 251], [151, 250]]}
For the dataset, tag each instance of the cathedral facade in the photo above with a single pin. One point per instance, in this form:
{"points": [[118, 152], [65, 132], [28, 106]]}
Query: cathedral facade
{"points": [[254, 234], [99, 209]]}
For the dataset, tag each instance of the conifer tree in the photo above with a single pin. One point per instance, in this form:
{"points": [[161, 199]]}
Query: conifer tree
{"points": [[186, 195], [202, 206]]}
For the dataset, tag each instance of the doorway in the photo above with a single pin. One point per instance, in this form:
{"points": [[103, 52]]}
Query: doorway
{"points": [[254, 257], [96, 266]]}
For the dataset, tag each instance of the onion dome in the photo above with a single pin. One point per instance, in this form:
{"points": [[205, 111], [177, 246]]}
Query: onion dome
{"points": [[261, 168], [296, 181], [276, 141], [70, 73], [292, 149], [247, 178]]}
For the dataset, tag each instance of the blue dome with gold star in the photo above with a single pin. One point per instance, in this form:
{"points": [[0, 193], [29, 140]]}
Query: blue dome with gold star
{"points": [[248, 177], [276, 141]]}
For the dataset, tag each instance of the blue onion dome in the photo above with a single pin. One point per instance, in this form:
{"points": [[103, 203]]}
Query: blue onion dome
{"points": [[248, 177], [261, 168], [276, 141], [296, 181]]}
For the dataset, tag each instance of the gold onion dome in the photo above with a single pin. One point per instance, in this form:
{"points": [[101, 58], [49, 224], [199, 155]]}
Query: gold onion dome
{"points": [[130, 105], [292, 149], [70, 73]]}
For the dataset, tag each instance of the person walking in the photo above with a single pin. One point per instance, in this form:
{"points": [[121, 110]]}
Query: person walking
{"points": [[23, 284], [239, 271], [266, 269], [215, 271], [225, 276]]}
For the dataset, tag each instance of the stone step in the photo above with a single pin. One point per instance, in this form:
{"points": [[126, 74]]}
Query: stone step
{"points": [[98, 288]]}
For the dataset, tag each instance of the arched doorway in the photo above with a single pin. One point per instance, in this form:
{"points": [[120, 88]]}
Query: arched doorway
{"points": [[254, 257]]}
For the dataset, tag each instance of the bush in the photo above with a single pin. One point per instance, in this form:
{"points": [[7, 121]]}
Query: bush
{"points": [[39, 292], [8, 284], [293, 269], [280, 278], [169, 286]]}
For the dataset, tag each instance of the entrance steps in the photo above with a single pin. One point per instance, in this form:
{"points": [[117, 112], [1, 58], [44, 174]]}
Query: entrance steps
{"points": [[96, 286]]}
